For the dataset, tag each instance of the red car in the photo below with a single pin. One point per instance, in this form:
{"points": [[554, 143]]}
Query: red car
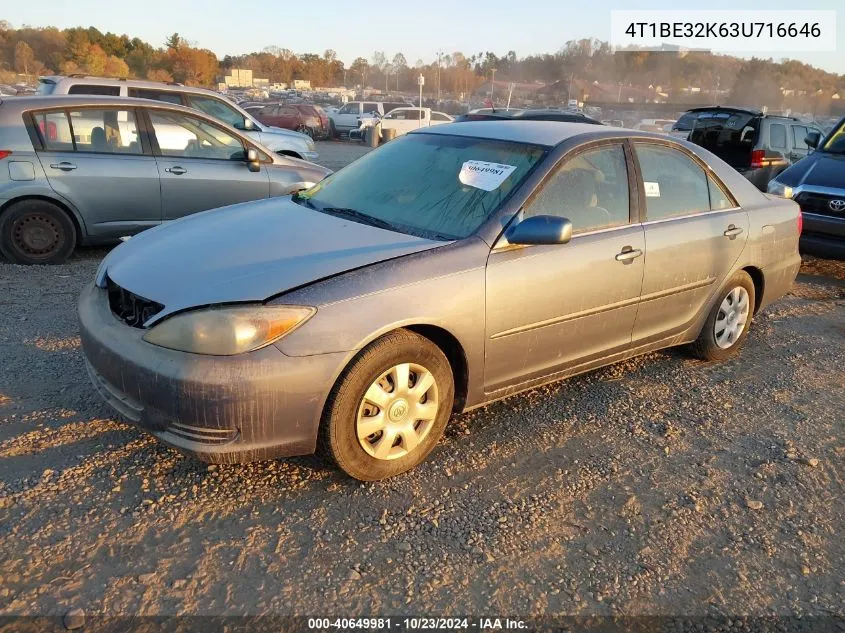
{"points": [[302, 117]]}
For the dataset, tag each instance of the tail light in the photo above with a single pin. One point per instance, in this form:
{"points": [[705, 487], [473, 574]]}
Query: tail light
{"points": [[800, 222], [757, 157], [4, 153]]}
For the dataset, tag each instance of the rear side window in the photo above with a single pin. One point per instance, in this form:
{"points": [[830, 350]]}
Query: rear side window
{"points": [[45, 87], [777, 136], [370, 107], [674, 184], [718, 198], [105, 131], [156, 95], [83, 89], [54, 128]]}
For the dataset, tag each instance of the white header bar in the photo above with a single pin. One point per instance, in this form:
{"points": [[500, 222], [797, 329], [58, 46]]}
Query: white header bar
{"points": [[725, 31]]}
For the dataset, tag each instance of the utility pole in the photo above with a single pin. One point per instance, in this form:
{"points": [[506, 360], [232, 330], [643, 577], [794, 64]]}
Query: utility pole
{"points": [[492, 85], [439, 53]]}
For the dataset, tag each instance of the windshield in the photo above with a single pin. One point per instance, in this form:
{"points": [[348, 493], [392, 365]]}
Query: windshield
{"points": [[836, 140], [429, 185]]}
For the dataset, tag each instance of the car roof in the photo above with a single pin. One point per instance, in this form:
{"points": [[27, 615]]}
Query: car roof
{"points": [[548, 133], [59, 101]]}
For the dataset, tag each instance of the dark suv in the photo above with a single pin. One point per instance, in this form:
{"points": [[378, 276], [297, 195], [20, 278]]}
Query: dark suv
{"points": [[756, 144], [817, 183]]}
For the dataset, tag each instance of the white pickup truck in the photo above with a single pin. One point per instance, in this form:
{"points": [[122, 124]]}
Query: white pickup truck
{"points": [[404, 120], [348, 117]]}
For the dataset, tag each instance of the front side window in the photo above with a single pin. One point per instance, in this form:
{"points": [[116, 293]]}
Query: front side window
{"points": [[85, 89], [777, 135], [156, 95], [674, 183], [218, 109], [184, 136], [370, 107], [436, 116], [105, 131], [349, 108], [430, 185], [589, 189]]}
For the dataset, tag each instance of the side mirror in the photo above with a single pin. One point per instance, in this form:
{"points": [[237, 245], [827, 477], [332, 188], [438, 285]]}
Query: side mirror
{"points": [[812, 139], [252, 161], [541, 229]]}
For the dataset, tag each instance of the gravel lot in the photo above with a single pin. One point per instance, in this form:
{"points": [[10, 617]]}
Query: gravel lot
{"points": [[661, 485]]}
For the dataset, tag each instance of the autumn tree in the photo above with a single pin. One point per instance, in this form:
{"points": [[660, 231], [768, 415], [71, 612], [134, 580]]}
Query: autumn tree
{"points": [[23, 57]]}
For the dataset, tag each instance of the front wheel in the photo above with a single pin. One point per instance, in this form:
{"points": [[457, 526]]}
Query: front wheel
{"points": [[728, 322], [304, 129], [36, 232], [389, 407]]}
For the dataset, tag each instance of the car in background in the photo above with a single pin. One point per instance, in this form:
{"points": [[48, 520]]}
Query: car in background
{"points": [[349, 116], [655, 125], [757, 144], [454, 266], [302, 117], [817, 184], [565, 116], [87, 169], [613, 122], [405, 120], [281, 141]]}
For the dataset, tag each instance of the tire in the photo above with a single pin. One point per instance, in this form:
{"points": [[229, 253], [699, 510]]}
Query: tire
{"points": [[36, 232], [399, 440], [333, 134], [723, 341], [304, 129]]}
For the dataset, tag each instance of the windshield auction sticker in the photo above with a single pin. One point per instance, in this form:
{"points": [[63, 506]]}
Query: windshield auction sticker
{"points": [[483, 175]]}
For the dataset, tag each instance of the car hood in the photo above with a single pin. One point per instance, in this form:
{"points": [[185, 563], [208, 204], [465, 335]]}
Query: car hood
{"points": [[819, 169], [247, 252]]}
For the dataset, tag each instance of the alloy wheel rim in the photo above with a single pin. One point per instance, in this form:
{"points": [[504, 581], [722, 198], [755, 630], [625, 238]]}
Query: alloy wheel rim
{"points": [[732, 317], [397, 411], [36, 235]]}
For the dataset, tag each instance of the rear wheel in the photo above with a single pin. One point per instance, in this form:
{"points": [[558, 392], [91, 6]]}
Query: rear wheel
{"points": [[728, 322], [36, 232], [389, 407]]}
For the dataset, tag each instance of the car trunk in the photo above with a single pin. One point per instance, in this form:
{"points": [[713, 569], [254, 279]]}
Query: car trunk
{"points": [[730, 135]]}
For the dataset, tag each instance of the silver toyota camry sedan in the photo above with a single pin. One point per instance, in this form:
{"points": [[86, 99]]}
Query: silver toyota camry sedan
{"points": [[452, 267]]}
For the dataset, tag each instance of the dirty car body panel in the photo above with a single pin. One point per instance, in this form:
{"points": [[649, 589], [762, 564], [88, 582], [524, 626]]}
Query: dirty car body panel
{"points": [[508, 316]]}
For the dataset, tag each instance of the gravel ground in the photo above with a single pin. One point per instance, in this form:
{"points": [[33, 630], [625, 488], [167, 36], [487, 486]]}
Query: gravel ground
{"points": [[661, 485]]}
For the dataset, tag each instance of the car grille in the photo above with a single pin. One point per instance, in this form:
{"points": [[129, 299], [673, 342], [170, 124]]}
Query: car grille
{"points": [[819, 203], [130, 308]]}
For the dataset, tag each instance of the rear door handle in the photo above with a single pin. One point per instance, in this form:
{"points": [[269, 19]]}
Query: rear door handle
{"points": [[628, 254], [64, 166], [176, 170], [732, 231]]}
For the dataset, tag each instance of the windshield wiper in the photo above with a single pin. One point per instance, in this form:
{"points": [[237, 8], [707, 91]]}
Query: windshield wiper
{"points": [[362, 218], [303, 200]]}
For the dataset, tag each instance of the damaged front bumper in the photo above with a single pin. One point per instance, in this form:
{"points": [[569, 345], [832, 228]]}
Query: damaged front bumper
{"points": [[219, 409]]}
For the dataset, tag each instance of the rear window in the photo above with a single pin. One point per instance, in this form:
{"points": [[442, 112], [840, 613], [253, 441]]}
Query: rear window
{"points": [[777, 136], [87, 89], [729, 135]]}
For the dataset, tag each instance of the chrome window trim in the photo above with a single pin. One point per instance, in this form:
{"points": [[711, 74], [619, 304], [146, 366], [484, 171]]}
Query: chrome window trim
{"points": [[686, 216]]}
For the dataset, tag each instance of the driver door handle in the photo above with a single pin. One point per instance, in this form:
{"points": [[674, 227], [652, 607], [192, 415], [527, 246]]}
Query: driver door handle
{"points": [[176, 170], [732, 231], [628, 255], [64, 166]]}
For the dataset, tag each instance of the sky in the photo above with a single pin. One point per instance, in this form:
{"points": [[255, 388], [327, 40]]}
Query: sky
{"points": [[356, 29]]}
